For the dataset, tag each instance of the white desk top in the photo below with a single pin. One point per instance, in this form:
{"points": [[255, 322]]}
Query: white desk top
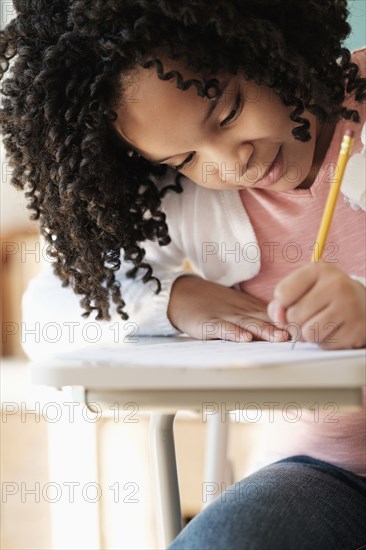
{"points": [[182, 363]]}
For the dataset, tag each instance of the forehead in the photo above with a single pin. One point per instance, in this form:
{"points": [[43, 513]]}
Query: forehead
{"points": [[145, 93], [142, 83], [152, 106]]}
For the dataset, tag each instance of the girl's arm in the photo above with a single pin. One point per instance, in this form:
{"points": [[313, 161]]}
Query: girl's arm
{"points": [[52, 321]]}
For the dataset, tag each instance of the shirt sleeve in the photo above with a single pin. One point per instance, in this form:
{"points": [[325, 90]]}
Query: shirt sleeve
{"points": [[361, 280], [354, 184], [354, 181]]}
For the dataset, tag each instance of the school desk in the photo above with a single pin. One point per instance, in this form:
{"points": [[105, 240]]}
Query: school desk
{"points": [[180, 373]]}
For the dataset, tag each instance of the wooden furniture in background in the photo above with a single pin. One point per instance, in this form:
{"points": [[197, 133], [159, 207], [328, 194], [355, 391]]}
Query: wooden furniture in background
{"points": [[20, 262]]}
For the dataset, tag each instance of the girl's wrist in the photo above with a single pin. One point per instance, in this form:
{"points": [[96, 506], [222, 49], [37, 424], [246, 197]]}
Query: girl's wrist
{"points": [[179, 291]]}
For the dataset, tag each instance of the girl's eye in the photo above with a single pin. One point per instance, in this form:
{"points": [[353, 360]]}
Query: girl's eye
{"points": [[182, 165], [234, 112], [231, 116]]}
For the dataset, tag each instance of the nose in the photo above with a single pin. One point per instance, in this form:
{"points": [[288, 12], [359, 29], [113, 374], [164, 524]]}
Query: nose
{"points": [[233, 164]]}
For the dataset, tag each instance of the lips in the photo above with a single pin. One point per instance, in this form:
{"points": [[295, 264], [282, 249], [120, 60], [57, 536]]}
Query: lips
{"points": [[268, 169], [272, 172]]}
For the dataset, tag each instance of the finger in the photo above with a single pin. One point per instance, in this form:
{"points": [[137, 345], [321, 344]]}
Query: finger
{"points": [[261, 330], [220, 329], [344, 338], [243, 330], [290, 289], [309, 306], [338, 340], [323, 328]]}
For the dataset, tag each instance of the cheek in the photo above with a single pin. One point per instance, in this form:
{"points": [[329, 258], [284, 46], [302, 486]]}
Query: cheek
{"points": [[265, 119], [209, 181], [295, 169]]}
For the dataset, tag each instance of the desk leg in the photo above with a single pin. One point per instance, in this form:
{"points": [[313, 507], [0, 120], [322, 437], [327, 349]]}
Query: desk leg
{"points": [[165, 477], [217, 472]]}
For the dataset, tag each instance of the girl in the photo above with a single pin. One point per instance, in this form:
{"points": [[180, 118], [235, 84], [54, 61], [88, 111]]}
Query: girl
{"points": [[152, 132]]}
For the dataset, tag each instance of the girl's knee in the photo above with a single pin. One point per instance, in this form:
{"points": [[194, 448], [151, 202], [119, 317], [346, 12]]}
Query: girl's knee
{"points": [[274, 508]]}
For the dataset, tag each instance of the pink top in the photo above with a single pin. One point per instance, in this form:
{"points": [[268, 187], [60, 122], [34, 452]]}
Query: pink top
{"points": [[286, 225]]}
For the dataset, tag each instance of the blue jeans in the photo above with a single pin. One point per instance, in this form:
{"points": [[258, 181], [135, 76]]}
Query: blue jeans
{"points": [[298, 503]]}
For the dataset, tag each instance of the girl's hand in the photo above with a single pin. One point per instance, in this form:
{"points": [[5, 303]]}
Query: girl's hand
{"points": [[322, 304], [209, 311]]}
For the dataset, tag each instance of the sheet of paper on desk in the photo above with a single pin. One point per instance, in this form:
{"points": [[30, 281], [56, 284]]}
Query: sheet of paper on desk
{"points": [[219, 353]]}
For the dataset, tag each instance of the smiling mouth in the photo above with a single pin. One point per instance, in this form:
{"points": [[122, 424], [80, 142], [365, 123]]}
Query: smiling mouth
{"points": [[273, 170], [269, 168], [264, 175]]}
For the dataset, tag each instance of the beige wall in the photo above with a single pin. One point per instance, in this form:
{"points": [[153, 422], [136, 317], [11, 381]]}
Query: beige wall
{"points": [[20, 261]]}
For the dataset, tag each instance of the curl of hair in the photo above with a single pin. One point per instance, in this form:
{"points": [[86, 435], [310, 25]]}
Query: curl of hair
{"points": [[64, 85]]}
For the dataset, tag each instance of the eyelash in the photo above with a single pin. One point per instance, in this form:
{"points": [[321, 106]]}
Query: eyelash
{"points": [[223, 123]]}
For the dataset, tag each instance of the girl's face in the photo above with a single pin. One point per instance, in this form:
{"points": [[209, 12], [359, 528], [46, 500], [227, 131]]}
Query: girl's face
{"points": [[230, 143]]}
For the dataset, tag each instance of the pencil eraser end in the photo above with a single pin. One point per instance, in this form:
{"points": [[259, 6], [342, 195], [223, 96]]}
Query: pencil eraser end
{"points": [[349, 133]]}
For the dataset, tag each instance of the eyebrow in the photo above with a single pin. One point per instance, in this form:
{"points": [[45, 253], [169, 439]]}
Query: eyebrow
{"points": [[213, 104]]}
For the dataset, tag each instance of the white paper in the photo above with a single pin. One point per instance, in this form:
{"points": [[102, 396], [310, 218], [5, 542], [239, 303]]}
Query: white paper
{"points": [[212, 353]]}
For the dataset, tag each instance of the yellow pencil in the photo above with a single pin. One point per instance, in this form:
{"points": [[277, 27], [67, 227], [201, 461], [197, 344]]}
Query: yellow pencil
{"points": [[343, 157], [330, 205]]}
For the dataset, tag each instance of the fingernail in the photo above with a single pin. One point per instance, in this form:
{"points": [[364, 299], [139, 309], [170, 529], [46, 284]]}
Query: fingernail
{"points": [[245, 337]]}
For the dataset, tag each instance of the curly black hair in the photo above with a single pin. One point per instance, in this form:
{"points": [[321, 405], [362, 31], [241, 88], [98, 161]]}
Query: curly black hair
{"points": [[91, 198]]}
